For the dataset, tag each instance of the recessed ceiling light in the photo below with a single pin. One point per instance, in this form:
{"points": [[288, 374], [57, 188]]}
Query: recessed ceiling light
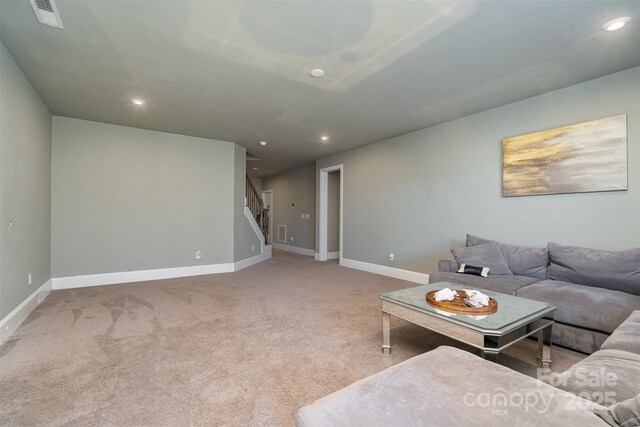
{"points": [[616, 24], [317, 72], [137, 101], [324, 138], [263, 143], [255, 168]]}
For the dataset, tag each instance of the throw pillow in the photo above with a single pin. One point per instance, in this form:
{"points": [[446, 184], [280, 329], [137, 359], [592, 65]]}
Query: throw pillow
{"points": [[522, 260], [472, 269], [486, 254], [475, 240], [624, 414]]}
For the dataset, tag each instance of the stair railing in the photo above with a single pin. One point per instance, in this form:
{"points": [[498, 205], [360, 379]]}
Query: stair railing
{"points": [[261, 214]]}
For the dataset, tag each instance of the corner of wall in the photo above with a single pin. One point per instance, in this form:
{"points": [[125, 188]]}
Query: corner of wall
{"points": [[248, 242], [25, 186], [13, 320]]}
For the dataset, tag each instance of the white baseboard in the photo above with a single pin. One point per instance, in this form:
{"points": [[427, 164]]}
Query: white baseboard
{"points": [[139, 276], [330, 255], [239, 265], [410, 276], [157, 274], [14, 319], [301, 251]]}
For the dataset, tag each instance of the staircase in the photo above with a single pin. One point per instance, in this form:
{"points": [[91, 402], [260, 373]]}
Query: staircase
{"points": [[261, 214]]}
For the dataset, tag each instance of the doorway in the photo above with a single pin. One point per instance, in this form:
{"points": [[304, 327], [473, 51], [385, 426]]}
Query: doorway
{"points": [[330, 213], [267, 203]]}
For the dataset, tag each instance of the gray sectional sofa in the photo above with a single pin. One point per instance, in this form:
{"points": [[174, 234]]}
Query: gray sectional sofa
{"points": [[594, 290], [451, 387]]}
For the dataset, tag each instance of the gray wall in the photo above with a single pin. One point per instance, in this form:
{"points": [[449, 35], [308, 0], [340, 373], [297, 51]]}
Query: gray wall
{"points": [[296, 187], [25, 186], [257, 183], [417, 195], [127, 199], [333, 207], [245, 241]]}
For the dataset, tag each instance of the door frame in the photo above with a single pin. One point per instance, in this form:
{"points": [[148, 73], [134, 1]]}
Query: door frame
{"points": [[323, 212]]}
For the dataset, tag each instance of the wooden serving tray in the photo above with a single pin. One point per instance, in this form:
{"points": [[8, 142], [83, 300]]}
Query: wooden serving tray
{"points": [[458, 305]]}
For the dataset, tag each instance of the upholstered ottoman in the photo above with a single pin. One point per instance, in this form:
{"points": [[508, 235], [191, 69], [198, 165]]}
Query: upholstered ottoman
{"points": [[449, 387]]}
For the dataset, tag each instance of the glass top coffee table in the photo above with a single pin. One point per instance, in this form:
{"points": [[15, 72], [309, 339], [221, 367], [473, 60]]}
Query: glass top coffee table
{"points": [[516, 319]]}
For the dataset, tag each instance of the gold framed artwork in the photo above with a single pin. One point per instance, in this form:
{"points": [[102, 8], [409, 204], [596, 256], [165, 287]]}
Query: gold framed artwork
{"points": [[579, 158]]}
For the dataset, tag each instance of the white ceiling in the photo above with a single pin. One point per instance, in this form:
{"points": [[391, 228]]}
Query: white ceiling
{"points": [[239, 70]]}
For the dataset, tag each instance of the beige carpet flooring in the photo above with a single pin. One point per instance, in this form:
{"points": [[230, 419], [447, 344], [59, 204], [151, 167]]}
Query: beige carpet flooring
{"points": [[246, 348]]}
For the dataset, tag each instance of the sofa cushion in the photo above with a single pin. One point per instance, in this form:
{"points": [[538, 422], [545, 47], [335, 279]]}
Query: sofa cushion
{"points": [[618, 271], [423, 392], [522, 260], [484, 255], [605, 377], [623, 414], [626, 336], [580, 339], [592, 308], [503, 284]]}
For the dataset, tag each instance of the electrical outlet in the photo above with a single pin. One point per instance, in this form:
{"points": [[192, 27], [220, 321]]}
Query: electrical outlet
{"points": [[198, 254], [391, 257], [29, 279], [253, 248], [291, 239]]}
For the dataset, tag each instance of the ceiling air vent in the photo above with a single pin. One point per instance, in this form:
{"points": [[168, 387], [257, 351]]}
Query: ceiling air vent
{"points": [[47, 13]]}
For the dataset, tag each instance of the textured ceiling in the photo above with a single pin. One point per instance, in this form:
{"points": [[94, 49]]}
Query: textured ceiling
{"points": [[239, 71]]}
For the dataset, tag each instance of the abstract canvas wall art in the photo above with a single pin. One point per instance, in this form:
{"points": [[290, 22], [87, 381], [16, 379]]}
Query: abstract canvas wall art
{"points": [[585, 157]]}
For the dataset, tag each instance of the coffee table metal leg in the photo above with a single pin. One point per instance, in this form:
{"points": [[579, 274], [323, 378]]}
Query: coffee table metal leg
{"points": [[490, 355], [386, 333], [544, 347]]}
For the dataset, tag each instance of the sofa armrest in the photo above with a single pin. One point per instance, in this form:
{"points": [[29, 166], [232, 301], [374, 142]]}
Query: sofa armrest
{"points": [[448, 265]]}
